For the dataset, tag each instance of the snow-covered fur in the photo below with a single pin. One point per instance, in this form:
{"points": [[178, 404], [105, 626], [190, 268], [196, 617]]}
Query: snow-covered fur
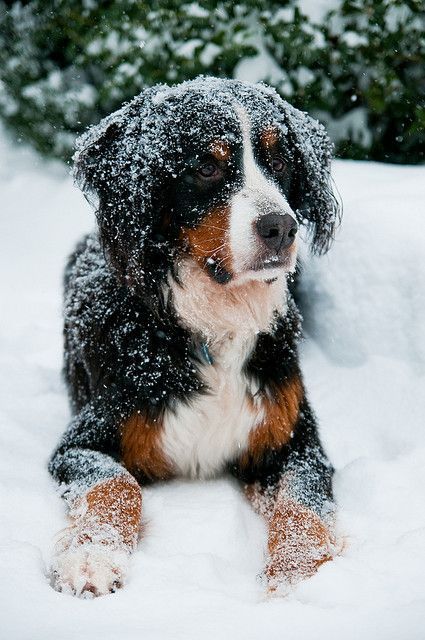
{"points": [[180, 333]]}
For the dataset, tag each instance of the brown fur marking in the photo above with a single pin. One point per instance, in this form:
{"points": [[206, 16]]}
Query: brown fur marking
{"points": [[210, 238], [116, 503], [269, 138], [141, 448], [280, 417], [298, 540], [220, 150]]}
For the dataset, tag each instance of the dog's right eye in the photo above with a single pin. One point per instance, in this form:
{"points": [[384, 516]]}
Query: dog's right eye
{"points": [[208, 170], [278, 165]]}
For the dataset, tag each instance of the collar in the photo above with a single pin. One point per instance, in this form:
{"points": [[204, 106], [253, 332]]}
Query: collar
{"points": [[205, 353]]}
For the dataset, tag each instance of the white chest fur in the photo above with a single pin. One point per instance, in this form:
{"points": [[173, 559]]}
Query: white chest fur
{"points": [[200, 437]]}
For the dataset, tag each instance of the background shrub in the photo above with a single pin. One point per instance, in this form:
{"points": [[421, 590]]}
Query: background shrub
{"points": [[360, 68]]}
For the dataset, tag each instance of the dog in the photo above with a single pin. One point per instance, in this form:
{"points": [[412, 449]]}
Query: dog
{"points": [[180, 328]]}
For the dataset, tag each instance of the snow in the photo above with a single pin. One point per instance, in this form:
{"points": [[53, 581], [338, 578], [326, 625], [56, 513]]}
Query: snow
{"points": [[353, 39], [194, 574], [354, 124], [261, 66], [317, 10]]}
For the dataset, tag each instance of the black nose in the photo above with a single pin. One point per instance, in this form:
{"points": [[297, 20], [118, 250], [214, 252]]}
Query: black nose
{"points": [[277, 231]]}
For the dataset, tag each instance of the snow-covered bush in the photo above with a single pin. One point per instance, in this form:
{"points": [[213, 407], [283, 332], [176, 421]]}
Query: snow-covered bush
{"points": [[359, 68], [376, 62]]}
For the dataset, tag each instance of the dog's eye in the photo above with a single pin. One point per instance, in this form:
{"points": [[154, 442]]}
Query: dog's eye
{"points": [[278, 165], [208, 170]]}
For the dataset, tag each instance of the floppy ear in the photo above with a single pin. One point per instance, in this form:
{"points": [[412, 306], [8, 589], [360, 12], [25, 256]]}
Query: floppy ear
{"points": [[94, 161], [316, 204], [113, 166]]}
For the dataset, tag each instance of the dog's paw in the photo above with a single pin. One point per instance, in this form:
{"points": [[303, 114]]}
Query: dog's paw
{"points": [[89, 569], [299, 543], [89, 561]]}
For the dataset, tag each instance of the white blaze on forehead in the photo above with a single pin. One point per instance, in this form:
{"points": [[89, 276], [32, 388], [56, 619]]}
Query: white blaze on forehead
{"points": [[258, 196], [254, 178]]}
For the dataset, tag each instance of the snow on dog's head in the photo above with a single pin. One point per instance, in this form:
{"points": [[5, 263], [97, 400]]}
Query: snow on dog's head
{"points": [[218, 171]]}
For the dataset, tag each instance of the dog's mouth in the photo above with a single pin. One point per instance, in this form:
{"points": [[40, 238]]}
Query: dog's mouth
{"points": [[266, 269], [275, 262], [262, 265], [283, 260]]}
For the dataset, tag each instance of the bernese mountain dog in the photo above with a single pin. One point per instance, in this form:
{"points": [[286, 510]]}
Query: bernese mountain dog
{"points": [[180, 328]]}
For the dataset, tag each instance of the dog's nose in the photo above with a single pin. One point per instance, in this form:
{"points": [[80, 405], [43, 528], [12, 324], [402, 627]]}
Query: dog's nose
{"points": [[277, 231]]}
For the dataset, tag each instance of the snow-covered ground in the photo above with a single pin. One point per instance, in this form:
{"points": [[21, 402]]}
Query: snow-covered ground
{"points": [[195, 573]]}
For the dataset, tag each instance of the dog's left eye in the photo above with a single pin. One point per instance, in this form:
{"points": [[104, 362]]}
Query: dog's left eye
{"points": [[208, 170], [278, 165]]}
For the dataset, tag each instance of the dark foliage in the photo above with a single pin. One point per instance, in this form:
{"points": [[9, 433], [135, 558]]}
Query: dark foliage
{"points": [[65, 65]]}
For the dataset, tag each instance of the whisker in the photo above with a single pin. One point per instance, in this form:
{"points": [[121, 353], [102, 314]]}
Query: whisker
{"points": [[211, 226], [210, 252]]}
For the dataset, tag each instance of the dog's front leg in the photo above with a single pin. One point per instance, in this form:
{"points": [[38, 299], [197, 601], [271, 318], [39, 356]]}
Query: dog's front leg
{"points": [[291, 487], [105, 501], [92, 553]]}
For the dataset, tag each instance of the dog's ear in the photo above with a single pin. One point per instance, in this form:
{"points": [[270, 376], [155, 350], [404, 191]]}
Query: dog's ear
{"points": [[94, 160], [116, 167], [312, 194]]}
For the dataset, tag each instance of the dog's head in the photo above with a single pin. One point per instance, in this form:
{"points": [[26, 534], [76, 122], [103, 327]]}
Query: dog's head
{"points": [[219, 170]]}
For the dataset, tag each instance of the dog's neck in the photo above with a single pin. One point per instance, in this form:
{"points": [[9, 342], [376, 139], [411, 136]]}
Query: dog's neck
{"points": [[219, 312]]}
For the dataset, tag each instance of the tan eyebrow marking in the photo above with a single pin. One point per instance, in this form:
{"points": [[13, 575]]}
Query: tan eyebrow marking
{"points": [[220, 150], [269, 137]]}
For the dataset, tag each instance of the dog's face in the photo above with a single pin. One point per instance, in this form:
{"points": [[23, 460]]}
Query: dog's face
{"points": [[232, 201], [216, 170]]}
